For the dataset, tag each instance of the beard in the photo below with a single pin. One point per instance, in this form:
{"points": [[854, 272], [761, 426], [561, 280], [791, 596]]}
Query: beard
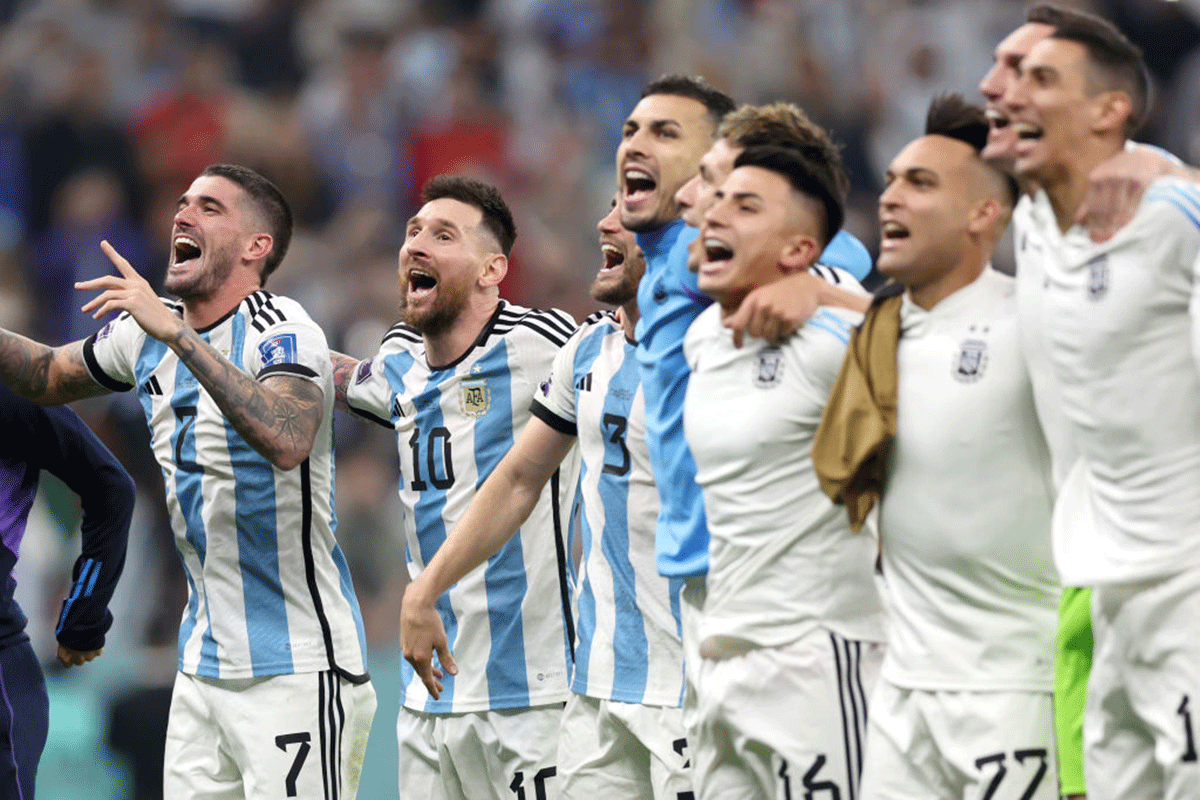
{"points": [[440, 315], [204, 282], [615, 293]]}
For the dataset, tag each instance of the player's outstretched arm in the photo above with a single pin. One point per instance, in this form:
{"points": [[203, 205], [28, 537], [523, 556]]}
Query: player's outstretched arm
{"points": [[504, 501], [1115, 188], [777, 310], [278, 416], [46, 375]]}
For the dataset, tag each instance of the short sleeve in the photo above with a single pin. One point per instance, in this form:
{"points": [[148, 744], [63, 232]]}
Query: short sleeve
{"points": [[370, 394], [826, 336], [554, 398], [295, 347], [110, 353]]}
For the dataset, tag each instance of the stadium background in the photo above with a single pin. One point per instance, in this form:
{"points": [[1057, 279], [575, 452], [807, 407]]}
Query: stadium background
{"points": [[108, 108]]}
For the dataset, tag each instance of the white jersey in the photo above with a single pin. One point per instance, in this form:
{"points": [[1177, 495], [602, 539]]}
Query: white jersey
{"points": [[783, 558], [1119, 324], [506, 620], [269, 592], [969, 577], [627, 615]]}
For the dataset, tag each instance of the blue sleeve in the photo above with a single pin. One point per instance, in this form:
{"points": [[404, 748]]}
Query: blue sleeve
{"points": [[848, 253], [66, 448]]}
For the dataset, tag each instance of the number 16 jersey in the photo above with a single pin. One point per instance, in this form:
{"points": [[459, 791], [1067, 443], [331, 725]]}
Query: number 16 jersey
{"points": [[506, 621]]}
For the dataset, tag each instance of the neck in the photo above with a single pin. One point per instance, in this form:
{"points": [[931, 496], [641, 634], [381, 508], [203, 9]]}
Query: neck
{"points": [[967, 271], [448, 346], [629, 316], [200, 313], [1067, 190]]}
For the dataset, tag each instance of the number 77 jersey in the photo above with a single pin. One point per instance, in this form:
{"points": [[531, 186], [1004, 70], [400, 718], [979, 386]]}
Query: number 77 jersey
{"points": [[508, 621]]}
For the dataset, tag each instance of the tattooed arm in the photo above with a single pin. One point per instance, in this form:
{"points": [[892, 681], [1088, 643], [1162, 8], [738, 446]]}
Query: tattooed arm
{"points": [[46, 375], [343, 373], [278, 416]]}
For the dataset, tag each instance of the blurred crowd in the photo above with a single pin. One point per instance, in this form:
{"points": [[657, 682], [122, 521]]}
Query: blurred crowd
{"points": [[108, 109]]}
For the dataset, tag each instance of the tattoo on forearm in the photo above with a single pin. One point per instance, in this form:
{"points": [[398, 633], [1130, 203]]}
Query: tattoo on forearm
{"points": [[343, 373], [29, 369], [277, 422]]}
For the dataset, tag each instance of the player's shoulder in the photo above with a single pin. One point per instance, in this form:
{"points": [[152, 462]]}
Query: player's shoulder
{"points": [[553, 326], [400, 337], [602, 320], [264, 310], [1170, 201], [841, 278]]}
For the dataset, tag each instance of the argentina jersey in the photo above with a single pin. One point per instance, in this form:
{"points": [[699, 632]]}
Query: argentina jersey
{"points": [[627, 645], [269, 592], [507, 621]]}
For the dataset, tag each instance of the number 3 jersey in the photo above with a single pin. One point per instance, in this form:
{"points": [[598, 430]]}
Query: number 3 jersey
{"points": [[269, 592], [505, 620], [627, 635]]}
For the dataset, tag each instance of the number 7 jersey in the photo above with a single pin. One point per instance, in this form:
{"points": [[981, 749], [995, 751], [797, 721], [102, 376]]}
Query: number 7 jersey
{"points": [[507, 621], [269, 592]]}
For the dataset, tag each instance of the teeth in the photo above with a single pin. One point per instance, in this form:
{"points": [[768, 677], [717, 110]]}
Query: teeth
{"points": [[893, 229], [637, 174], [611, 249], [714, 243], [996, 117], [1027, 129]]}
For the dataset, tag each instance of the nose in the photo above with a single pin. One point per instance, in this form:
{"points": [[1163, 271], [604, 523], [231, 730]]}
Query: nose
{"points": [[611, 222], [686, 195], [890, 197], [992, 85]]}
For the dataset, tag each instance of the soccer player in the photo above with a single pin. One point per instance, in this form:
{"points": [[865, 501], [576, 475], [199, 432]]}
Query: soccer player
{"points": [[963, 708], [790, 634], [1115, 187], [56, 440], [1114, 320], [663, 141], [455, 379], [622, 732], [237, 389]]}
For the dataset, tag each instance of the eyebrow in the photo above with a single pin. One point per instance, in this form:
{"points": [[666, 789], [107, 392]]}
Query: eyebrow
{"points": [[202, 199], [433, 222], [911, 172]]}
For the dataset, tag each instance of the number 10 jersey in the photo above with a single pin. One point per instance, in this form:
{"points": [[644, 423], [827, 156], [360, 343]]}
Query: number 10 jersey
{"points": [[507, 620]]}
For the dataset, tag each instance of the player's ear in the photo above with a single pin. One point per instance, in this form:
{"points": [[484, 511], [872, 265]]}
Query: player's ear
{"points": [[259, 246], [983, 215], [1111, 111], [494, 270], [800, 252]]}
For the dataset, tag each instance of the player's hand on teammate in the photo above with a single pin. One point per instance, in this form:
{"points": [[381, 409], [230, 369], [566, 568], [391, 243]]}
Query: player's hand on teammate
{"points": [[1115, 189], [777, 310], [129, 291], [74, 658], [421, 635]]}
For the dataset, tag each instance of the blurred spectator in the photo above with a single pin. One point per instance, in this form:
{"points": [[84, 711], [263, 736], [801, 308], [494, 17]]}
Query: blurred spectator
{"points": [[89, 207]]}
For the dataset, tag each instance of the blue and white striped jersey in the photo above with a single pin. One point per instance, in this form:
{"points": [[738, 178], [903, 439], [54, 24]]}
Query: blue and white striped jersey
{"points": [[627, 644], [269, 592], [507, 620]]}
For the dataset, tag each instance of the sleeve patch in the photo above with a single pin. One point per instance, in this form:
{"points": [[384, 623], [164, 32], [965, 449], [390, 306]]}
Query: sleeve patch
{"points": [[279, 349], [364, 372]]}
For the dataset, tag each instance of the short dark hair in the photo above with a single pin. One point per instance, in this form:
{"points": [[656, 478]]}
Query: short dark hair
{"points": [[786, 125], [1054, 15], [1116, 63], [808, 175], [717, 102], [497, 217], [269, 202], [951, 116]]}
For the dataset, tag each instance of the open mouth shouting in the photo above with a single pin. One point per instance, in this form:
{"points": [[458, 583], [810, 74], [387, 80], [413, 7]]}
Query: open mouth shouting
{"points": [[421, 283], [892, 235], [614, 257], [717, 254], [639, 185], [184, 250]]}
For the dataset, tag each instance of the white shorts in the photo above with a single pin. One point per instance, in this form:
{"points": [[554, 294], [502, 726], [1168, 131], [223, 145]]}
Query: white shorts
{"points": [[1141, 725], [270, 738], [511, 754], [608, 749], [785, 722], [960, 745]]}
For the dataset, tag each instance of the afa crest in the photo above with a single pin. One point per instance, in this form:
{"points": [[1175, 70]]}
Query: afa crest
{"points": [[475, 397], [1098, 276], [768, 371], [970, 361]]}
